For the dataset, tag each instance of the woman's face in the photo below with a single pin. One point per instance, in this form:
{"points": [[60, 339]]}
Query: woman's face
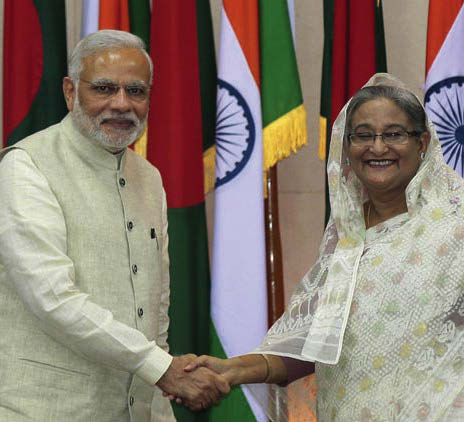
{"points": [[384, 169]]}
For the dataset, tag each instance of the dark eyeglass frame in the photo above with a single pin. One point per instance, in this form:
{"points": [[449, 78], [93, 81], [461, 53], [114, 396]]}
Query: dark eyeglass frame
{"points": [[393, 137]]}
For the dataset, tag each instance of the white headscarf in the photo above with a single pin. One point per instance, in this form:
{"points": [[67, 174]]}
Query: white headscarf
{"points": [[313, 326]]}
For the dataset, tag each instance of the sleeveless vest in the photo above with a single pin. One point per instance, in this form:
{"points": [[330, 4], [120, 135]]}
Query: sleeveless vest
{"points": [[111, 212]]}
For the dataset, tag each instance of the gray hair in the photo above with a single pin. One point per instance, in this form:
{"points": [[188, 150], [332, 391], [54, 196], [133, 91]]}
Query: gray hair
{"points": [[403, 98], [103, 40]]}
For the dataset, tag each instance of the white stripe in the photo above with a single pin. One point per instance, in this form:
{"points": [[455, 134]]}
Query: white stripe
{"points": [[291, 12], [90, 16]]}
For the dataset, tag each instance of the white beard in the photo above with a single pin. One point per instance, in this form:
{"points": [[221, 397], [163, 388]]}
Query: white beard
{"points": [[90, 128]]}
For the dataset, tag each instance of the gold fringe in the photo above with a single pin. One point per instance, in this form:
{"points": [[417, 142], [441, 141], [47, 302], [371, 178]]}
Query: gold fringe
{"points": [[140, 145], [285, 135], [209, 168], [280, 138], [321, 153]]}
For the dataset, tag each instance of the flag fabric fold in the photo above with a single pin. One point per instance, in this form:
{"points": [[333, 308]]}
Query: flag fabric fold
{"points": [[238, 293], [180, 126], [34, 52], [283, 112], [354, 50]]}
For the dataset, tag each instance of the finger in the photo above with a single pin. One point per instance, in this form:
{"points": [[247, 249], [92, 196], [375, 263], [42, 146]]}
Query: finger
{"points": [[178, 400], [198, 362], [222, 385]]}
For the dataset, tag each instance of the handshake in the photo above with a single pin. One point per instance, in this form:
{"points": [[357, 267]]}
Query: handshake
{"points": [[198, 382]]}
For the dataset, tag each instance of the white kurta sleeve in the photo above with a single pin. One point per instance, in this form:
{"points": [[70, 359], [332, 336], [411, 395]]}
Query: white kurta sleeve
{"points": [[33, 251]]}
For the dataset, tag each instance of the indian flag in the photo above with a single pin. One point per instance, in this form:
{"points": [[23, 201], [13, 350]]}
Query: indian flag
{"points": [[258, 87], [238, 292], [444, 90]]}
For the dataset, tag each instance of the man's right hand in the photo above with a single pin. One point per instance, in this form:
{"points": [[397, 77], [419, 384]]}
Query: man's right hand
{"points": [[198, 389]]}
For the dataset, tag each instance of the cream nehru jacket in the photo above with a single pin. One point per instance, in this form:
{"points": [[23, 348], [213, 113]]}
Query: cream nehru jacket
{"points": [[116, 238]]}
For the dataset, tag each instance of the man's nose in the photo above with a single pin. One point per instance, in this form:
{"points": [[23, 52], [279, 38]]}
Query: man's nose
{"points": [[121, 101]]}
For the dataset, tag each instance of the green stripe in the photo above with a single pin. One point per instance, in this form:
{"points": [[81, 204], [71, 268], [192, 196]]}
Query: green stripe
{"points": [[235, 406], [189, 309], [326, 87], [48, 106], [280, 82], [208, 74], [380, 50], [139, 20]]}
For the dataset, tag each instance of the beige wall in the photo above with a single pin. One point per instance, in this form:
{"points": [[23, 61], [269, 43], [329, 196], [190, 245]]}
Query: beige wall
{"points": [[301, 177]]}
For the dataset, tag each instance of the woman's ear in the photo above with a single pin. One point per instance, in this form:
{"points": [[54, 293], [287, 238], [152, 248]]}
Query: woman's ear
{"points": [[424, 141]]}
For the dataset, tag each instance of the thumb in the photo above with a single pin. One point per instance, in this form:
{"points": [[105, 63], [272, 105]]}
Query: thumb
{"points": [[197, 363]]}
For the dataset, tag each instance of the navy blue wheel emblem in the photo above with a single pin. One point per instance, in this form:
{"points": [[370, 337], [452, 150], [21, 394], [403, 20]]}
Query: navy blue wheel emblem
{"points": [[235, 133], [444, 102]]}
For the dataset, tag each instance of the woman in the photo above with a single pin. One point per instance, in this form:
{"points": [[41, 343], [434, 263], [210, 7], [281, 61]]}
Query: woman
{"points": [[382, 311]]}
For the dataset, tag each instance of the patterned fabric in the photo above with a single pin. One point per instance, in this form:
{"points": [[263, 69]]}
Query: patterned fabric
{"points": [[382, 311]]}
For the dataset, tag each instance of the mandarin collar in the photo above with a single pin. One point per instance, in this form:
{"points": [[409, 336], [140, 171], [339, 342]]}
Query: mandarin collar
{"points": [[88, 150]]}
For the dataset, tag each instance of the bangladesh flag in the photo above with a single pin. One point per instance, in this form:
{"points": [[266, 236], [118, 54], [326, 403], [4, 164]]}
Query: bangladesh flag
{"points": [[34, 63], [354, 50], [180, 127]]}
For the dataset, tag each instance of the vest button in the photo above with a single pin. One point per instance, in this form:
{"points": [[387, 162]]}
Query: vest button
{"points": [[130, 225], [140, 312], [122, 182], [134, 269], [131, 401]]}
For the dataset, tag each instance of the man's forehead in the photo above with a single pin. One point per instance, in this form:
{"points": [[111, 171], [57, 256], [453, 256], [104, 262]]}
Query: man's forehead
{"points": [[116, 63]]}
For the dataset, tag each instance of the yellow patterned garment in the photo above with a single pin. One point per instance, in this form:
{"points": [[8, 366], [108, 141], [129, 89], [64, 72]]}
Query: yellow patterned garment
{"points": [[382, 310]]}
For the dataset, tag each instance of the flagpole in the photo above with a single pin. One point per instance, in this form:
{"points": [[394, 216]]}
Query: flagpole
{"points": [[274, 267]]}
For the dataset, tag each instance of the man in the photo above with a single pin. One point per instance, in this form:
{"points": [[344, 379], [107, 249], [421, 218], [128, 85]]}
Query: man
{"points": [[84, 283]]}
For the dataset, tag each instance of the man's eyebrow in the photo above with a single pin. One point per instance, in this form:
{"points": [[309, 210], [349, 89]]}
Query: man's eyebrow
{"points": [[137, 84], [106, 81], [102, 81]]}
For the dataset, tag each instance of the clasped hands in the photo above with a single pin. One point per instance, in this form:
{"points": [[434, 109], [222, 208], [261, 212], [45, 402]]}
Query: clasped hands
{"points": [[196, 382]]}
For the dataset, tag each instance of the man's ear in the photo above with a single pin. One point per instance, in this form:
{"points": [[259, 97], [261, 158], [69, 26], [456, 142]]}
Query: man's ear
{"points": [[69, 91]]}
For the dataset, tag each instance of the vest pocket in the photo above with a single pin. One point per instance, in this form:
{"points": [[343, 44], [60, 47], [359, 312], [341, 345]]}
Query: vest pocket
{"points": [[49, 375]]}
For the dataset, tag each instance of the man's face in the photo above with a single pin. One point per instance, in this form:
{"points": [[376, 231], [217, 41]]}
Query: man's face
{"points": [[111, 102]]}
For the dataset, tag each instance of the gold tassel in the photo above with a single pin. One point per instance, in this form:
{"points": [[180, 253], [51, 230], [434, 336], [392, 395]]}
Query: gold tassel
{"points": [[209, 168], [283, 136], [321, 153], [140, 145]]}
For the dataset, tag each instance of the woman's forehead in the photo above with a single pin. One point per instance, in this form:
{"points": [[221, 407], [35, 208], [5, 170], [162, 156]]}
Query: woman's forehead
{"points": [[379, 111]]}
